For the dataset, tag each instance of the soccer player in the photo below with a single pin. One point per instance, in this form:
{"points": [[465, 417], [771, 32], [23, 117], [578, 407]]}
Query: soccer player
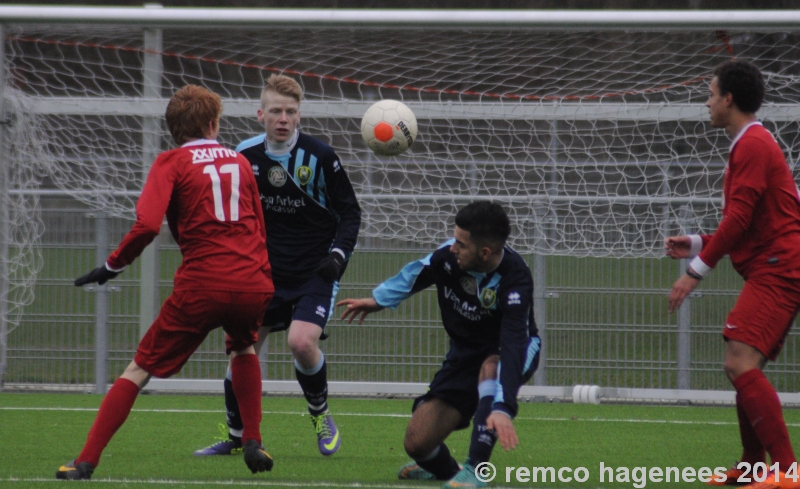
{"points": [[760, 230], [485, 293], [210, 198], [313, 217]]}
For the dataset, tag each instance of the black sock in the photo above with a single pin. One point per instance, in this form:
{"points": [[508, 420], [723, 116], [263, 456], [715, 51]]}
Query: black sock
{"points": [[233, 416], [443, 465], [315, 388], [483, 440]]}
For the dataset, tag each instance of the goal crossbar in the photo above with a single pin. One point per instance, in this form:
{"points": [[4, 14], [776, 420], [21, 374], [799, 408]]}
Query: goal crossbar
{"points": [[529, 19], [136, 106]]}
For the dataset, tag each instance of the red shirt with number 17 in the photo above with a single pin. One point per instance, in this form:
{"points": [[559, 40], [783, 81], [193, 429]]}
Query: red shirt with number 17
{"points": [[210, 198], [760, 227]]}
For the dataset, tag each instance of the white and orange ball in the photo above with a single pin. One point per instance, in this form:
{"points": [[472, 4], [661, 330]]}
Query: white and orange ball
{"points": [[389, 127]]}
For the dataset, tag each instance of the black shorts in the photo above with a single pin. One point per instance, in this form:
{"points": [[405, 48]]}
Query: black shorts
{"points": [[456, 383], [312, 302]]}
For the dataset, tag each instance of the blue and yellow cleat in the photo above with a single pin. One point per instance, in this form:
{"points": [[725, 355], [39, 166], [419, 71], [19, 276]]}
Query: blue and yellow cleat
{"points": [[223, 446], [413, 472], [465, 478], [327, 434]]}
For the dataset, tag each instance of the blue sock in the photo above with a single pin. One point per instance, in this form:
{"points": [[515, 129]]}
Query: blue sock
{"points": [[314, 382], [483, 440], [440, 463]]}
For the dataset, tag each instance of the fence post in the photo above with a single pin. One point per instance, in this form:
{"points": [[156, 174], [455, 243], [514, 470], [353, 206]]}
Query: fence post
{"points": [[101, 307], [684, 338], [151, 144], [540, 293], [4, 217]]}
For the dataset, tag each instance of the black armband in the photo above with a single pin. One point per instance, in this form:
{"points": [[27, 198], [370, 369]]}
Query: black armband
{"points": [[693, 274]]}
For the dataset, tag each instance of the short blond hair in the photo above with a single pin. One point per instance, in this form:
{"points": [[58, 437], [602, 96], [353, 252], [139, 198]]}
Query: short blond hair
{"points": [[282, 85]]}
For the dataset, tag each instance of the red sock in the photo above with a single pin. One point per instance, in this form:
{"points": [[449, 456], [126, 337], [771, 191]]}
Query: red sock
{"points": [[246, 379], [753, 449], [113, 412], [763, 408]]}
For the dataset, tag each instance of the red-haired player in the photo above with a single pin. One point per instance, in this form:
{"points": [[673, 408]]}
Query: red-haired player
{"points": [[209, 195]]}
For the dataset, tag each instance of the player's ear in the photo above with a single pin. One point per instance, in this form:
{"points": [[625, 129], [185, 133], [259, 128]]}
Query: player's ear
{"points": [[728, 99]]}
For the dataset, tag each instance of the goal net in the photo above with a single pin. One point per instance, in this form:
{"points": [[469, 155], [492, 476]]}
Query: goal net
{"points": [[596, 142], [593, 139]]}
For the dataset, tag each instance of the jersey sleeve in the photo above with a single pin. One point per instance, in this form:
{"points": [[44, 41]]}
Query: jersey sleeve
{"points": [[747, 182], [516, 303], [150, 210], [344, 205], [415, 276], [250, 180]]}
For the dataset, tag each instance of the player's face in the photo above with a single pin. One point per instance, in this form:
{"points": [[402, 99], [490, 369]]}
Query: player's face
{"points": [[466, 251], [280, 116], [717, 104]]}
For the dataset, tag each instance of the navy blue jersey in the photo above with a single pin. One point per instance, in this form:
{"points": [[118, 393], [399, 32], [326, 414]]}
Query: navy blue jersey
{"points": [[309, 206], [479, 310]]}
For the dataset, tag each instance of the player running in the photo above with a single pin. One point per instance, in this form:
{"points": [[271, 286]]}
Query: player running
{"points": [[210, 199], [313, 217], [760, 230], [485, 293]]}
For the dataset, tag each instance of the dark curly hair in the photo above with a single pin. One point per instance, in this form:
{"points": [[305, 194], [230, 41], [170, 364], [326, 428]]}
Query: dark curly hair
{"points": [[744, 81]]}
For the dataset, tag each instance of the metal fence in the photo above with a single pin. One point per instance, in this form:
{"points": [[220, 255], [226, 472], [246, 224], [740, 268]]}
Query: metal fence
{"points": [[605, 323]]}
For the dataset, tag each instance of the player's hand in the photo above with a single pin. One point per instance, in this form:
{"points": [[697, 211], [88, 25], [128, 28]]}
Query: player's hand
{"points": [[358, 306], [680, 290], [330, 267], [678, 247], [99, 275], [502, 425]]}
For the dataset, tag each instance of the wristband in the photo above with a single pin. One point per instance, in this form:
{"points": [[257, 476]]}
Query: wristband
{"points": [[693, 274]]}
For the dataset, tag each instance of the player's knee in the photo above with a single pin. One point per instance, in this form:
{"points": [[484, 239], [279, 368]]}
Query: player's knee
{"points": [[489, 368], [303, 347], [416, 448], [733, 368]]}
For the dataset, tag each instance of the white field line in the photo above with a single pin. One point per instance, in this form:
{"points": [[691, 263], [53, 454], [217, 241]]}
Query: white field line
{"points": [[231, 483], [400, 415]]}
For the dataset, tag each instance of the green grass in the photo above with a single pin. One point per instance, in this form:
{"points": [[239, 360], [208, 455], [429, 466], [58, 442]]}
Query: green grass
{"points": [[154, 448]]}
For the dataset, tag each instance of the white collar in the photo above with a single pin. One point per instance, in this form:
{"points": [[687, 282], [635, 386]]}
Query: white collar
{"points": [[741, 133], [284, 148], [200, 142]]}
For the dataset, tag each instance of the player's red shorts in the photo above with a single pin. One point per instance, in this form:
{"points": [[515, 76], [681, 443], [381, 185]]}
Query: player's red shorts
{"points": [[764, 313], [187, 317]]}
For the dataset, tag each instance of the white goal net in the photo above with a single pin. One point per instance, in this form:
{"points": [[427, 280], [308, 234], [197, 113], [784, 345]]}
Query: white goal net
{"points": [[596, 142]]}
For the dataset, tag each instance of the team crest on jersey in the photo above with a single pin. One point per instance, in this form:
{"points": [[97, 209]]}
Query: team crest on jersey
{"points": [[488, 298], [469, 285], [304, 174], [277, 176]]}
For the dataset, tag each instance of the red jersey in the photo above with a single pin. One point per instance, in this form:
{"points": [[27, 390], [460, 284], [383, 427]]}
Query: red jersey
{"points": [[760, 227], [212, 204]]}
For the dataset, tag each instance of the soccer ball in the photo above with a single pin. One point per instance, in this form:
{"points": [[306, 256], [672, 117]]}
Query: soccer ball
{"points": [[389, 127]]}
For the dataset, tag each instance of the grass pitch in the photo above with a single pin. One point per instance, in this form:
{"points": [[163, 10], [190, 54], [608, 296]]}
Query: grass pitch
{"points": [[154, 447]]}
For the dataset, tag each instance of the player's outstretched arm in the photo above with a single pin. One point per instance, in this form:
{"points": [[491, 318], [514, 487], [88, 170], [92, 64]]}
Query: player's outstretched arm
{"points": [[359, 306], [100, 275], [678, 247], [504, 427]]}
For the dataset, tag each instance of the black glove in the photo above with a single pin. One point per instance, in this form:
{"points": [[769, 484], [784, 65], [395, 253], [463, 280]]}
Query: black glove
{"points": [[100, 275], [330, 267]]}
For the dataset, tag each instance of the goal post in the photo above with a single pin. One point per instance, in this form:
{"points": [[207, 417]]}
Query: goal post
{"points": [[588, 126]]}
